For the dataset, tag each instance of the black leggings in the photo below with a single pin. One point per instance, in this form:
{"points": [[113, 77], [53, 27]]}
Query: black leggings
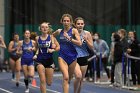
{"points": [[135, 71], [112, 72], [90, 70], [104, 64]]}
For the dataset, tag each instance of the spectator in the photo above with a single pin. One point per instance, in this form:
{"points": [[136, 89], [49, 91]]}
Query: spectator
{"points": [[101, 49], [134, 50], [111, 57], [118, 50]]}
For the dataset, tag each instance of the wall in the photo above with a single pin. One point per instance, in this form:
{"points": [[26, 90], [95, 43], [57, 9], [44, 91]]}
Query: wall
{"points": [[2, 25]]}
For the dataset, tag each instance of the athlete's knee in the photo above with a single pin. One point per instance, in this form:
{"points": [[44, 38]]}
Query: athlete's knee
{"points": [[17, 71], [66, 79], [78, 76], [31, 75], [43, 81]]}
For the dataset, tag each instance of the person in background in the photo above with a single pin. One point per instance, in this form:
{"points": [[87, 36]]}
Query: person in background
{"points": [[2, 46], [118, 50], [111, 58], [101, 49], [26, 49], [2, 43], [122, 33], [90, 70], [134, 50], [6, 65], [33, 36], [67, 58], [15, 58]]}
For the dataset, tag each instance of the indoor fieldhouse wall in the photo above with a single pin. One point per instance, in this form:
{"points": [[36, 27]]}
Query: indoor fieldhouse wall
{"points": [[2, 26], [104, 30], [103, 16]]}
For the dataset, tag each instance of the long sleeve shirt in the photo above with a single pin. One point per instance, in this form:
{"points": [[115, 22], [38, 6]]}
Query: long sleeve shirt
{"points": [[101, 47]]}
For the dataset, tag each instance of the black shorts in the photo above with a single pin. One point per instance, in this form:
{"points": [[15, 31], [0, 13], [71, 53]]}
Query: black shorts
{"points": [[82, 61], [15, 57], [47, 63]]}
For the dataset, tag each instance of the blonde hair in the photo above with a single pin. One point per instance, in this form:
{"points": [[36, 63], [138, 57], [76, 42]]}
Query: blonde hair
{"points": [[50, 27]]}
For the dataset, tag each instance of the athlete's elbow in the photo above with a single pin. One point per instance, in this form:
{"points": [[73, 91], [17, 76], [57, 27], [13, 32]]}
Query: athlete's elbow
{"points": [[57, 48], [79, 43], [91, 47]]}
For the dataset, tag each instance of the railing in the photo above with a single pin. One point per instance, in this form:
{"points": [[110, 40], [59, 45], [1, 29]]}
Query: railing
{"points": [[129, 57], [125, 66]]}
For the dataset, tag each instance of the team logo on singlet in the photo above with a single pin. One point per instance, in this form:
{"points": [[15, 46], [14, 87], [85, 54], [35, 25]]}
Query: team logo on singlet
{"points": [[27, 47], [82, 39], [64, 38], [45, 44]]}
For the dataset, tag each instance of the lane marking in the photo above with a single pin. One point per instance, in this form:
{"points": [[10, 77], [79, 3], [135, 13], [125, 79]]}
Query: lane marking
{"points": [[37, 76], [30, 86], [5, 90]]}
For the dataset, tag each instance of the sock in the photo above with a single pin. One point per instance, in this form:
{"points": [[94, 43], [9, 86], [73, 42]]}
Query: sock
{"points": [[26, 82]]}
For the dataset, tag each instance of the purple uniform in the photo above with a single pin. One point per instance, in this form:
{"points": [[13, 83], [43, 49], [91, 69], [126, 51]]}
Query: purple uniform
{"points": [[67, 49], [27, 56], [43, 57]]}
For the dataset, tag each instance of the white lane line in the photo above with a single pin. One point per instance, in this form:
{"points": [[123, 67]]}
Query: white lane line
{"points": [[57, 75], [37, 76], [22, 77], [5, 90], [22, 83]]}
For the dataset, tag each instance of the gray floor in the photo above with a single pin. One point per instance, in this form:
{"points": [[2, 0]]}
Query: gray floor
{"points": [[8, 86]]}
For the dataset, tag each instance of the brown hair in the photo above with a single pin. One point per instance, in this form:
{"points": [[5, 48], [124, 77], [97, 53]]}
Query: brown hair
{"points": [[78, 18], [66, 15], [33, 35], [134, 32], [123, 31]]}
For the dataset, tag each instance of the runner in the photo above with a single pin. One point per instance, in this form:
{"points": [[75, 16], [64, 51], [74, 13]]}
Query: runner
{"points": [[14, 58], [28, 47], [67, 55], [47, 44], [83, 54]]}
